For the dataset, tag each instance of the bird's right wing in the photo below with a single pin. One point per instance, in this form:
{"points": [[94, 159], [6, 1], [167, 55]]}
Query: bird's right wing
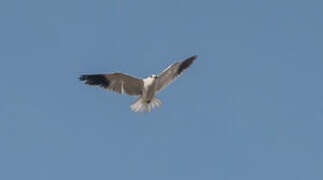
{"points": [[117, 82], [172, 72]]}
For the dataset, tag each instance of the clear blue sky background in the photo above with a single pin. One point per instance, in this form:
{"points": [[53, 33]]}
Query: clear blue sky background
{"points": [[250, 107]]}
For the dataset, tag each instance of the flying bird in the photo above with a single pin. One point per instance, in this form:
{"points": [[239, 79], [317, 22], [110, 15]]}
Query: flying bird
{"points": [[144, 88]]}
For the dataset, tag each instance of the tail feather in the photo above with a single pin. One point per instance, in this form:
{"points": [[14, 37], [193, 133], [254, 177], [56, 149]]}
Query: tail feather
{"points": [[141, 106]]}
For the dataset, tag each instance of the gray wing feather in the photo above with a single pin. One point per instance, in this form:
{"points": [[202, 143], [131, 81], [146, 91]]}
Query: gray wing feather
{"points": [[117, 82], [172, 72]]}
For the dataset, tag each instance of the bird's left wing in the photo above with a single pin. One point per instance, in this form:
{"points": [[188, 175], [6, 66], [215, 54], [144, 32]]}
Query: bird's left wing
{"points": [[117, 82], [172, 72]]}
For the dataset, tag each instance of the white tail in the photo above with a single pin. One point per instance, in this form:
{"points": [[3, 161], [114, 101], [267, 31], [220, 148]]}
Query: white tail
{"points": [[141, 106]]}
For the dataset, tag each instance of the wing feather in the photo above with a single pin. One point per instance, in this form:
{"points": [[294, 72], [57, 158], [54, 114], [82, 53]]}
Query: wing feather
{"points": [[172, 72], [118, 82]]}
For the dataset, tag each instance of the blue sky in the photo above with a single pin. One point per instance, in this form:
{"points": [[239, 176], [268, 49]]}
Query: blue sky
{"points": [[249, 108]]}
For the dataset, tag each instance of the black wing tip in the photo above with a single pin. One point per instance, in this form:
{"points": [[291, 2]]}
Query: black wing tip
{"points": [[193, 57], [83, 77], [185, 64], [95, 79]]}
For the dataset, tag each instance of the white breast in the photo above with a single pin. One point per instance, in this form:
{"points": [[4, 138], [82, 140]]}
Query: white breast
{"points": [[147, 82]]}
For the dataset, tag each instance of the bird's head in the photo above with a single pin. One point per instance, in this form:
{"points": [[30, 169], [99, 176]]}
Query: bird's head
{"points": [[154, 76]]}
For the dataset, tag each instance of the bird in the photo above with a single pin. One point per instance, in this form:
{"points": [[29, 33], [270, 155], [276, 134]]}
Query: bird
{"points": [[145, 88]]}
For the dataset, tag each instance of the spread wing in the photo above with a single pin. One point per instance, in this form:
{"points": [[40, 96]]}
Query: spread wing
{"points": [[172, 72], [117, 82]]}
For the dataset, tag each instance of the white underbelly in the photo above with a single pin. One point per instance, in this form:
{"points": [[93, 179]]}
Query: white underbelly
{"points": [[149, 89]]}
